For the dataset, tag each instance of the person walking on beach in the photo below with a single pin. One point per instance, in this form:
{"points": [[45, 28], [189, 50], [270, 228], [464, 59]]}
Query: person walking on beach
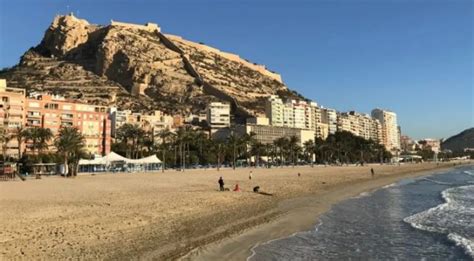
{"points": [[250, 175], [372, 172], [221, 184]]}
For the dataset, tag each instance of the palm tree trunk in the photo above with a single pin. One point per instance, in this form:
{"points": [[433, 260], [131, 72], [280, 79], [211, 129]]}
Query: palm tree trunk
{"points": [[233, 158], [164, 160]]}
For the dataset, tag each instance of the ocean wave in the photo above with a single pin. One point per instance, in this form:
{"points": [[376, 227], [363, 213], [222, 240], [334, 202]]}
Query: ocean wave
{"points": [[466, 244], [390, 185], [253, 249], [468, 173], [455, 217], [437, 181]]}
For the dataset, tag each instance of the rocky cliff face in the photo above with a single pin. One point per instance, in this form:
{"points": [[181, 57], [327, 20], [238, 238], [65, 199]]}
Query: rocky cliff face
{"points": [[138, 67]]}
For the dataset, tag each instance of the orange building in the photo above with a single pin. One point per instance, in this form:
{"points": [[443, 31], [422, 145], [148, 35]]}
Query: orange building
{"points": [[53, 112], [12, 115]]}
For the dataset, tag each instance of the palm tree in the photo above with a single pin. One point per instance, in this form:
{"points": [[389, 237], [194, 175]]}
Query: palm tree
{"points": [[280, 143], [233, 141], [39, 138], [130, 134], [19, 134], [218, 147], [309, 148], [4, 140], [293, 144], [164, 136], [257, 149], [70, 142]]}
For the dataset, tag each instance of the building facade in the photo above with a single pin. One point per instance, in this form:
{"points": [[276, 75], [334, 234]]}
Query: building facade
{"points": [[53, 112], [390, 131], [218, 115], [152, 122], [12, 116], [266, 134], [361, 125]]}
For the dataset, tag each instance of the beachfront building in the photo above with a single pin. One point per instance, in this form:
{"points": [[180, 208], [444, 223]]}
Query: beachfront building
{"points": [[266, 134], [153, 122], [361, 125], [328, 121], [53, 112], [292, 114], [430, 144], [218, 115], [390, 131], [12, 116]]}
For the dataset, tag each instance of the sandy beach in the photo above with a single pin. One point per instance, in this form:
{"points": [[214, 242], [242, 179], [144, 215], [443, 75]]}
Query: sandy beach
{"points": [[175, 214]]}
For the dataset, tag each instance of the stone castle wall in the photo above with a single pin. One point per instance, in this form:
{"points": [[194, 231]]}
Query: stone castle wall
{"points": [[230, 56], [151, 27]]}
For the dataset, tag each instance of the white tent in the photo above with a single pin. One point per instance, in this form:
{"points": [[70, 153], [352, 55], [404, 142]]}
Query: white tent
{"points": [[114, 157], [147, 160], [115, 162]]}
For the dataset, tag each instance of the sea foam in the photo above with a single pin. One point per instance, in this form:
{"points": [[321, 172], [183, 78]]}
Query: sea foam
{"points": [[454, 218]]}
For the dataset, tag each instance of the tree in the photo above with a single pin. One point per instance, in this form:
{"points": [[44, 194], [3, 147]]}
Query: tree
{"points": [[293, 144], [4, 140], [280, 144], [39, 138], [70, 144], [19, 135], [165, 135], [309, 149], [233, 143], [257, 149], [131, 135]]}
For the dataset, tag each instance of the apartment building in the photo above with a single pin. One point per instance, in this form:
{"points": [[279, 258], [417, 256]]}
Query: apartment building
{"points": [[53, 112], [152, 122], [361, 125], [291, 114], [390, 130], [12, 115], [266, 134], [218, 115]]}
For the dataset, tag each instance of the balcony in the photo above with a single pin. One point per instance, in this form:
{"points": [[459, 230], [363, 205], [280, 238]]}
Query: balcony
{"points": [[34, 114], [67, 117]]}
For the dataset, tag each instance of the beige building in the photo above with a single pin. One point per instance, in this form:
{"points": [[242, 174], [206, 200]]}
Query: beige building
{"points": [[291, 114], [267, 134], [433, 144], [361, 125], [218, 115], [390, 131], [153, 122]]}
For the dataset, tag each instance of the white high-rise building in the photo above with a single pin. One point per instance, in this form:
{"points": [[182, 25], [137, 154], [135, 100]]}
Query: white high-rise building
{"points": [[274, 110], [292, 114], [331, 115], [390, 133], [218, 115]]}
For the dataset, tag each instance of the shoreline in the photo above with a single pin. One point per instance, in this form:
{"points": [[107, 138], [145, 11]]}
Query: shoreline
{"points": [[176, 215], [299, 214]]}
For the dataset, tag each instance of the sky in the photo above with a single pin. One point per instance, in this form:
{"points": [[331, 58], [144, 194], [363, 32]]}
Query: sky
{"points": [[414, 57]]}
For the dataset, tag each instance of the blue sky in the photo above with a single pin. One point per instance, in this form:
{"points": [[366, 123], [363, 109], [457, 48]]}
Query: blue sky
{"points": [[414, 57]]}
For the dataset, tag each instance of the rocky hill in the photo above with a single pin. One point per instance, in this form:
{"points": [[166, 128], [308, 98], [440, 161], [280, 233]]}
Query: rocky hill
{"points": [[459, 142], [138, 67]]}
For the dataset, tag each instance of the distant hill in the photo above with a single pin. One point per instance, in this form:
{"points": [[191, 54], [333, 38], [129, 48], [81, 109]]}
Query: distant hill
{"points": [[137, 67], [460, 141]]}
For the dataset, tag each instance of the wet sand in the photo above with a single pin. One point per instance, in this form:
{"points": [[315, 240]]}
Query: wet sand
{"points": [[167, 215]]}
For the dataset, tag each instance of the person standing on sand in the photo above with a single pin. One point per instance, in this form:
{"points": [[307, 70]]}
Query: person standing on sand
{"points": [[221, 184], [250, 175], [372, 172]]}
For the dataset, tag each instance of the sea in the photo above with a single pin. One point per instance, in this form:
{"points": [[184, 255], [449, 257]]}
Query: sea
{"points": [[425, 218]]}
